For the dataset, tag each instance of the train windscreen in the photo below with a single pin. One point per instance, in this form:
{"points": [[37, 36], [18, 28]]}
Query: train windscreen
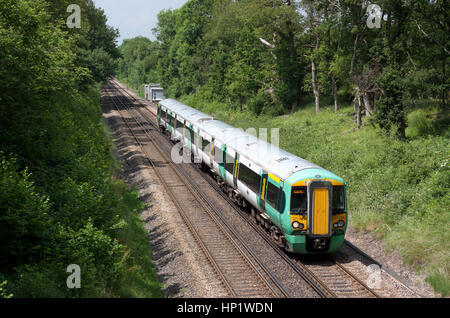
{"points": [[299, 200], [338, 199]]}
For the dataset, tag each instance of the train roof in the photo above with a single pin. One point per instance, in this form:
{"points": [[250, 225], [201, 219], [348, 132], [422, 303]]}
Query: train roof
{"points": [[269, 157], [187, 112]]}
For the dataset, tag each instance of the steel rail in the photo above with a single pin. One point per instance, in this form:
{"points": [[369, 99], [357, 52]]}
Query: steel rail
{"points": [[196, 236], [230, 228], [201, 199], [215, 213]]}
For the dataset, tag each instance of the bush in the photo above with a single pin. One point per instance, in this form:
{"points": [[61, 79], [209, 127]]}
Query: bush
{"points": [[3, 292], [60, 203], [25, 224], [420, 123]]}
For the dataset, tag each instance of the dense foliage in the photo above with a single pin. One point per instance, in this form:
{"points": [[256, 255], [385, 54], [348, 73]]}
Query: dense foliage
{"points": [[60, 201], [139, 62], [342, 80], [268, 56]]}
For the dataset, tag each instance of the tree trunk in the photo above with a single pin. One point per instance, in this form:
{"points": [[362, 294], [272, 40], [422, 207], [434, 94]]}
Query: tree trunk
{"points": [[314, 80], [355, 46], [315, 87], [367, 105], [335, 97], [358, 111]]}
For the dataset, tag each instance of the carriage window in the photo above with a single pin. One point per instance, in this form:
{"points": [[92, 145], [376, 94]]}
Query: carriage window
{"points": [[179, 124], [205, 143], [272, 195], [218, 155], [338, 199], [229, 163], [299, 200], [250, 178]]}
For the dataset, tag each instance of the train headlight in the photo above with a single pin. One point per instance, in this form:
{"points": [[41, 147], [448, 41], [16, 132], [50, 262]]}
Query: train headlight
{"points": [[297, 225], [339, 223]]}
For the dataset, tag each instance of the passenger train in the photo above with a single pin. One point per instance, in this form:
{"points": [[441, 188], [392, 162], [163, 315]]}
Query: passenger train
{"points": [[302, 205]]}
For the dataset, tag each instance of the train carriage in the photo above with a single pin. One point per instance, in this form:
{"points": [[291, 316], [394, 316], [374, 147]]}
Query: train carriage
{"points": [[302, 205]]}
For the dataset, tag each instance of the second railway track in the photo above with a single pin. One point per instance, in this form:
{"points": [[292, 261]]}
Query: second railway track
{"points": [[241, 272]]}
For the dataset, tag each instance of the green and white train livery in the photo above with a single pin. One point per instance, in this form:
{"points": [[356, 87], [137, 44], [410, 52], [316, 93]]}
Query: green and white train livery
{"points": [[302, 205]]}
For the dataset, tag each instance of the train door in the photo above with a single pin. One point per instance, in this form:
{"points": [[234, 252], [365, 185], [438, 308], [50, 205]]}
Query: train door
{"points": [[211, 153], [236, 170], [229, 160], [262, 189], [191, 138], [221, 161], [320, 200], [217, 157], [273, 198], [170, 121], [198, 145]]}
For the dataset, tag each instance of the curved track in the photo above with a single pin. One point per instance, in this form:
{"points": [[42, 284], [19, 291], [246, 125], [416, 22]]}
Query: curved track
{"points": [[328, 279], [241, 271]]}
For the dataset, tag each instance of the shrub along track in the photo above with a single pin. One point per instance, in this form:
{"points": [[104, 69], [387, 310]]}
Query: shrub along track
{"points": [[240, 270], [328, 278]]}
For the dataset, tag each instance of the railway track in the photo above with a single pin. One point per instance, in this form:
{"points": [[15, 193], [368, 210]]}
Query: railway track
{"points": [[240, 270], [328, 279]]}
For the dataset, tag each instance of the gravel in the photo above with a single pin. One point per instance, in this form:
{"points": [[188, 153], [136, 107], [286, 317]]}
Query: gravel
{"points": [[181, 266], [390, 287]]}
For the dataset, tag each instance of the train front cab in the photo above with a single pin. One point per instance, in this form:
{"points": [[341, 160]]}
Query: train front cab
{"points": [[316, 218]]}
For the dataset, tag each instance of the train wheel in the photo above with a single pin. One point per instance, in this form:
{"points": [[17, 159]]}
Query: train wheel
{"points": [[230, 194], [277, 236]]}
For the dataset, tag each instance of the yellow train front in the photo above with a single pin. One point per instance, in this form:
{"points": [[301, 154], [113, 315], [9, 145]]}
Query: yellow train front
{"points": [[315, 216]]}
